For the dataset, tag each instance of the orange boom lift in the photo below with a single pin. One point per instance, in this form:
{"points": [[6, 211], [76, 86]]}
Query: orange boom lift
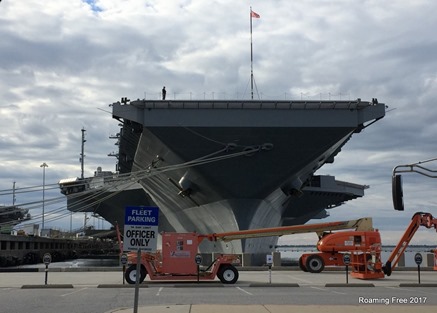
{"points": [[365, 247], [176, 260]]}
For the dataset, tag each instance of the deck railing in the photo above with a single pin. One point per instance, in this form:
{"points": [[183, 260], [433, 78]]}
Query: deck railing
{"points": [[249, 104]]}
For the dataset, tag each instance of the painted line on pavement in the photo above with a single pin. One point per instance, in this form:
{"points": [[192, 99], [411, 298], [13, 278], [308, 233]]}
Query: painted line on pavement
{"points": [[327, 290], [246, 292], [301, 279], [73, 292]]}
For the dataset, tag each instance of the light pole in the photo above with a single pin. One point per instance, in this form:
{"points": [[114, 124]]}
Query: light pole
{"points": [[44, 165]]}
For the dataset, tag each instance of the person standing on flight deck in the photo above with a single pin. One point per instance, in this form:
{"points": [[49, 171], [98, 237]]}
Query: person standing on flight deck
{"points": [[164, 92]]}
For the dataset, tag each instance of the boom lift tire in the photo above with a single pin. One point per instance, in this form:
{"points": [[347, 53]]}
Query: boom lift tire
{"points": [[387, 268], [315, 264], [302, 266], [131, 274], [228, 274]]}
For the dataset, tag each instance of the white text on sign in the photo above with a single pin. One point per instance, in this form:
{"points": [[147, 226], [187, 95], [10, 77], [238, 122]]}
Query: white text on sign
{"points": [[143, 216], [138, 237]]}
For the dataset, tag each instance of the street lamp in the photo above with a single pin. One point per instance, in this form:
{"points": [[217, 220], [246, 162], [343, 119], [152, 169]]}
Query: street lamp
{"points": [[44, 165]]}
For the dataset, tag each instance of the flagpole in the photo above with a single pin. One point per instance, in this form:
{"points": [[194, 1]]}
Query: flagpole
{"points": [[251, 56]]}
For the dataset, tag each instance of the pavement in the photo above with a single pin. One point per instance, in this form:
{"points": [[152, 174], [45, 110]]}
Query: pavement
{"points": [[87, 277], [293, 279], [202, 308]]}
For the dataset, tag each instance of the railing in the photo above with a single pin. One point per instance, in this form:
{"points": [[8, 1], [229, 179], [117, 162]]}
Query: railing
{"points": [[223, 95], [250, 104]]}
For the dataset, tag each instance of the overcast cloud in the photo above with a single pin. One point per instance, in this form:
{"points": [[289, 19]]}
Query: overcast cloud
{"points": [[63, 62]]}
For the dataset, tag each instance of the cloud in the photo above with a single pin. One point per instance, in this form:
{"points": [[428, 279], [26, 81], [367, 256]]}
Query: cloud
{"points": [[63, 62]]}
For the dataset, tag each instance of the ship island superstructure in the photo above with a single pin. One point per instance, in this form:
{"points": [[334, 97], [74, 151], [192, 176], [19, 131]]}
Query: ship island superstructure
{"points": [[221, 165], [11, 216]]}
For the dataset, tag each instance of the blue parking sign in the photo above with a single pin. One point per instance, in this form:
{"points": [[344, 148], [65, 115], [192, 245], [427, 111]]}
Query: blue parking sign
{"points": [[140, 228]]}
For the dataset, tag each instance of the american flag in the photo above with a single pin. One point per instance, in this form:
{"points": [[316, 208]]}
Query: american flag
{"points": [[253, 14]]}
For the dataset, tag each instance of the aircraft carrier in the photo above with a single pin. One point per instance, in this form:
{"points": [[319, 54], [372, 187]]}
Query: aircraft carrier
{"points": [[219, 165]]}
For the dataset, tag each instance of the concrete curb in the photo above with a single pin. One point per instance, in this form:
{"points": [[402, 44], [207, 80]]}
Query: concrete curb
{"points": [[120, 286], [160, 284], [18, 270], [417, 285], [51, 286], [193, 285], [350, 285]]}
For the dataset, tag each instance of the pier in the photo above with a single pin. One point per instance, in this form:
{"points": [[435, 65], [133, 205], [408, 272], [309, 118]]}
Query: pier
{"points": [[18, 250]]}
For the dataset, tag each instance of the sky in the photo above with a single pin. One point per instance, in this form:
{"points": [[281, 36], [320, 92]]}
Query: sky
{"points": [[63, 62]]}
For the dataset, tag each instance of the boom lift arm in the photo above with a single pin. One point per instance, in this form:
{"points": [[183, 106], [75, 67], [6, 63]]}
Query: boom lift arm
{"points": [[416, 168], [362, 224], [419, 219]]}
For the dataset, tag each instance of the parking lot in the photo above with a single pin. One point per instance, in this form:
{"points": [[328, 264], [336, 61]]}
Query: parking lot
{"points": [[104, 292]]}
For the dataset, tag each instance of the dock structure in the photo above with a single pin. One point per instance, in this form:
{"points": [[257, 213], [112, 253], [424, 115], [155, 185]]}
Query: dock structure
{"points": [[18, 250]]}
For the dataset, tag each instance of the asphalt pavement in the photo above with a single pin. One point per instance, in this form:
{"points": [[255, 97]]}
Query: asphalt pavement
{"points": [[91, 277], [256, 291]]}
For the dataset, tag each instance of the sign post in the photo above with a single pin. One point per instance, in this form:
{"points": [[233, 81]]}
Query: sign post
{"points": [[198, 259], [269, 261], [347, 261], [47, 259], [435, 260], [123, 260], [140, 234], [418, 259]]}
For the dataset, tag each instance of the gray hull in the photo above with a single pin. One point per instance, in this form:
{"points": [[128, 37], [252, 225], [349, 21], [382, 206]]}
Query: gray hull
{"points": [[251, 164]]}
